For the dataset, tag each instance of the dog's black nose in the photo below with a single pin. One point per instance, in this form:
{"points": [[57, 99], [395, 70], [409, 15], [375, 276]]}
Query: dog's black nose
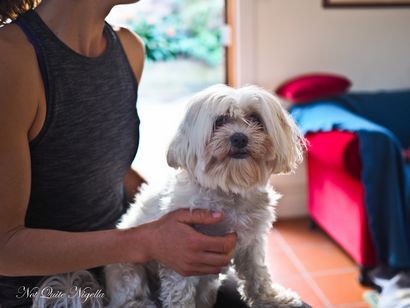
{"points": [[239, 140]]}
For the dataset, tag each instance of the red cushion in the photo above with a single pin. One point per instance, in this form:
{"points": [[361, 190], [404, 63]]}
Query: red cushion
{"points": [[312, 87]]}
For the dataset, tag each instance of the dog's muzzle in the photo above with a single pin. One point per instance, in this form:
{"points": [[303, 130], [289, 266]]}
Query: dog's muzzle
{"points": [[239, 142]]}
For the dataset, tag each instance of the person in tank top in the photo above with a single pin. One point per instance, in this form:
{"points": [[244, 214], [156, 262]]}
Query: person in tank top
{"points": [[68, 135]]}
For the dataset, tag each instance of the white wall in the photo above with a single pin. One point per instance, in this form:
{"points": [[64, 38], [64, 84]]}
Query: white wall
{"points": [[293, 191], [279, 39]]}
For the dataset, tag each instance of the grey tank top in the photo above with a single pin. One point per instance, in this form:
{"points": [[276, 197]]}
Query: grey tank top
{"points": [[88, 141]]}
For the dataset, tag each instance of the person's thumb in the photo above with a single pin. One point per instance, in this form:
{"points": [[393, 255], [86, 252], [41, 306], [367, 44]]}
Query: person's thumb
{"points": [[199, 216]]}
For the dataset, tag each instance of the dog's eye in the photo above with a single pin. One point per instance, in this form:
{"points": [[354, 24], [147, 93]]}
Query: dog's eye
{"points": [[220, 121], [255, 119]]}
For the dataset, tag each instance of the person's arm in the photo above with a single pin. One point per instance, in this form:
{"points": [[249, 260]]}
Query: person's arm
{"points": [[26, 251], [132, 183]]}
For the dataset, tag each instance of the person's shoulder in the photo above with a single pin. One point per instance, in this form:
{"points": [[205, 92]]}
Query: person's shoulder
{"points": [[19, 73], [134, 48], [131, 40], [9, 34], [17, 54]]}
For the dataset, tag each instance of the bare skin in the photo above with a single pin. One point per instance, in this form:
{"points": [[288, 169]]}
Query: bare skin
{"points": [[24, 251]]}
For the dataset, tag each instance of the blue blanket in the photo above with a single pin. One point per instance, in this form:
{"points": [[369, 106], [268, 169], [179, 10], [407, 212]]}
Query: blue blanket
{"points": [[385, 175]]}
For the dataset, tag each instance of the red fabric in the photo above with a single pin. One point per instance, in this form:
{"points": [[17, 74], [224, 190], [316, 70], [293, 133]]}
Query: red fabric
{"points": [[312, 87], [336, 195], [341, 155]]}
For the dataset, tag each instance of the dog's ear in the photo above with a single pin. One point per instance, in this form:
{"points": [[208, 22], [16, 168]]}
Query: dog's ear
{"points": [[171, 157], [289, 144], [189, 139], [290, 155], [176, 155], [196, 127], [179, 153]]}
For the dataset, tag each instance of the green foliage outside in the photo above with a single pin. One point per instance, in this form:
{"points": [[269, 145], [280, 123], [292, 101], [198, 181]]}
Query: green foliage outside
{"points": [[190, 30]]}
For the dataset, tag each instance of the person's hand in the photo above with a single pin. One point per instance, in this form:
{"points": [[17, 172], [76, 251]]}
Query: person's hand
{"points": [[175, 244]]}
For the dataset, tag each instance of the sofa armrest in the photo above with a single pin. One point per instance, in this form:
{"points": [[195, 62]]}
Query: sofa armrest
{"points": [[336, 149]]}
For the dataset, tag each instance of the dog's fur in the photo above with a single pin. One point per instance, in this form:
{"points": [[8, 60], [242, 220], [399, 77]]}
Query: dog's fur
{"points": [[219, 172]]}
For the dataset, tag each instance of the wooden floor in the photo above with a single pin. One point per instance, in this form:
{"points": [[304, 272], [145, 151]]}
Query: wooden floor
{"points": [[311, 264]]}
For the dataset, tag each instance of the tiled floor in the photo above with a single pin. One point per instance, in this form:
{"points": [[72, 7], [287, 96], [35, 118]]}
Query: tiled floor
{"points": [[308, 262]]}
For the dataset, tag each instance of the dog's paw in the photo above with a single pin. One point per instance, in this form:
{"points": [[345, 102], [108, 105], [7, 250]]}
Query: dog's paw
{"points": [[280, 297]]}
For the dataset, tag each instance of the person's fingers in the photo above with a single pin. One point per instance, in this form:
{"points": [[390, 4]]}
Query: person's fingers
{"points": [[201, 269], [219, 244], [215, 259], [198, 216]]}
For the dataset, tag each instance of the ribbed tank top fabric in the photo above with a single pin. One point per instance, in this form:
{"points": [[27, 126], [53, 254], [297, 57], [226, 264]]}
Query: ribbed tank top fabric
{"points": [[87, 143]]}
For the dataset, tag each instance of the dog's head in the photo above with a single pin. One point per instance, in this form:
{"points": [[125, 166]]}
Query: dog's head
{"points": [[234, 139]]}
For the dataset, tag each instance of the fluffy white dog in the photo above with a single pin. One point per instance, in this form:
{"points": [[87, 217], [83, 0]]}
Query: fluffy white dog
{"points": [[226, 148]]}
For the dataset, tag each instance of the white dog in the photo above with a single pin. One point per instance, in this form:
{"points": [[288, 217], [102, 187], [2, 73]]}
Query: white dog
{"points": [[226, 148]]}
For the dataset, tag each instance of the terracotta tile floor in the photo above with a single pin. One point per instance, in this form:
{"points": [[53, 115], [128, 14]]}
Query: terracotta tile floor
{"points": [[310, 263]]}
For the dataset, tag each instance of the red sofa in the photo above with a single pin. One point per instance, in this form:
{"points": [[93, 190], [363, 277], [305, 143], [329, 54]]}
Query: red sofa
{"points": [[336, 194]]}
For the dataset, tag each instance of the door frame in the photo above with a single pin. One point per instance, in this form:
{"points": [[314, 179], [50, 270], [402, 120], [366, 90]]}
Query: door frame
{"points": [[230, 50]]}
